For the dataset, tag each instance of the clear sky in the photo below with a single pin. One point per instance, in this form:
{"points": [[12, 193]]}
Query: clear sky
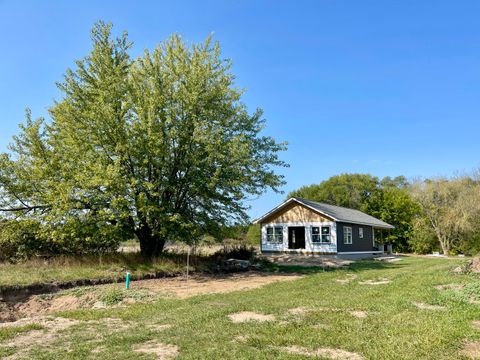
{"points": [[381, 87]]}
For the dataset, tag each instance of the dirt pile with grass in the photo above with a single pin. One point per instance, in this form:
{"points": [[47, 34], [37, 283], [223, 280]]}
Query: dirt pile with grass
{"points": [[160, 350], [246, 316], [474, 265], [325, 353], [115, 295]]}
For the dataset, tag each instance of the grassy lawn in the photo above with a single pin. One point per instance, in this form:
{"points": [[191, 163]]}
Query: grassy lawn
{"points": [[67, 269], [392, 327]]}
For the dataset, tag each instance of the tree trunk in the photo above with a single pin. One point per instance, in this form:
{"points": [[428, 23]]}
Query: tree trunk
{"points": [[150, 246], [445, 246]]}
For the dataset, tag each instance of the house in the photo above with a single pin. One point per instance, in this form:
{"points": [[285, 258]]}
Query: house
{"points": [[309, 227]]}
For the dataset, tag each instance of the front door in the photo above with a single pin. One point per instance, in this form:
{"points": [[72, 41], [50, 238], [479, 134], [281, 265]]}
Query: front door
{"points": [[296, 237]]}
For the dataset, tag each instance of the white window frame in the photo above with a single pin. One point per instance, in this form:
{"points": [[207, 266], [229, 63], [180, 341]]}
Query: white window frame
{"points": [[347, 235], [320, 234], [276, 237], [360, 233]]}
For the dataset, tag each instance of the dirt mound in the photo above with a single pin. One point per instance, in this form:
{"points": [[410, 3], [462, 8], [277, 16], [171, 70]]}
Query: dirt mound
{"points": [[160, 350], [46, 305], [104, 296], [245, 316], [474, 265], [471, 350], [328, 353]]}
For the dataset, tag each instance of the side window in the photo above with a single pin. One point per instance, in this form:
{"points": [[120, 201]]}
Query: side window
{"points": [[360, 233], [347, 235], [275, 234]]}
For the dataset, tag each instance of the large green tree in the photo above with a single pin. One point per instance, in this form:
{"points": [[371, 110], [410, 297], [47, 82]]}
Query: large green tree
{"points": [[160, 147]]}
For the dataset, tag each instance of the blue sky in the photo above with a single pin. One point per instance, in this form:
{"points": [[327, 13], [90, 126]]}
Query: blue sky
{"points": [[380, 87]]}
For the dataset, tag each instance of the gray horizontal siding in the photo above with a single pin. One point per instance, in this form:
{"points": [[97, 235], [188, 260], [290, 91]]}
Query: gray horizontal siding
{"points": [[365, 244]]}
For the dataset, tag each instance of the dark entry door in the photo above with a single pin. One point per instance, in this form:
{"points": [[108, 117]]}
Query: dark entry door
{"points": [[296, 237]]}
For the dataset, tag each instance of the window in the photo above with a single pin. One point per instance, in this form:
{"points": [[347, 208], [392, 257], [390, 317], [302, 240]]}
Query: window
{"points": [[275, 235], [320, 234], [347, 235], [360, 233]]}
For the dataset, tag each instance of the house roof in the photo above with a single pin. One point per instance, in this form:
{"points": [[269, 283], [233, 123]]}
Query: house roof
{"points": [[337, 213]]}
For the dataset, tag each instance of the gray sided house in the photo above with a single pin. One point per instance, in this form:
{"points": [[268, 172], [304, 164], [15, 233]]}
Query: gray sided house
{"points": [[309, 227]]}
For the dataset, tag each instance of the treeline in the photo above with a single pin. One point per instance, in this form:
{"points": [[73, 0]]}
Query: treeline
{"points": [[440, 214]]}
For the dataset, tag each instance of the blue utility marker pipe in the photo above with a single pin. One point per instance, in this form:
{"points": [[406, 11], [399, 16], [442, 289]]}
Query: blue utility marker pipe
{"points": [[127, 281]]}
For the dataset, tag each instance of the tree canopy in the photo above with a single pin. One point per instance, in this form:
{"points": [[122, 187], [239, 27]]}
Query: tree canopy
{"points": [[348, 190], [161, 148]]}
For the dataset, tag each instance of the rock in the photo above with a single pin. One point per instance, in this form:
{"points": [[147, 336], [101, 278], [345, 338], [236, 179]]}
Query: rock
{"points": [[236, 265]]}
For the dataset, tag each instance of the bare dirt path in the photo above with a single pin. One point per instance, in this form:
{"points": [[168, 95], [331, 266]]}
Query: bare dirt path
{"points": [[198, 285]]}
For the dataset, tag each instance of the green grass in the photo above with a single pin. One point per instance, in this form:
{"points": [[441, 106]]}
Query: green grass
{"points": [[393, 329], [64, 269]]}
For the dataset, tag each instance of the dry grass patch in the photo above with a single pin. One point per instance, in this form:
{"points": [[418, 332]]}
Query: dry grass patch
{"points": [[471, 350], [246, 316], [241, 338], [160, 350], [328, 353], [24, 342], [360, 314], [348, 278], [52, 328], [476, 324], [159, 327], [299, 311], [457, 287], [381, 281], [423, 306]]}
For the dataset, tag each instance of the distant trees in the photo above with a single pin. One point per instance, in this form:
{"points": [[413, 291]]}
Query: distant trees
{"points": [[428, 215], [348, 190], [450, 209], [160, 148]]}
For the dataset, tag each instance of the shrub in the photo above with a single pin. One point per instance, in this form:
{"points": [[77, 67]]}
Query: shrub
{"points": [[20, 239], [23, 239], [423, 240], [112, 296]]}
